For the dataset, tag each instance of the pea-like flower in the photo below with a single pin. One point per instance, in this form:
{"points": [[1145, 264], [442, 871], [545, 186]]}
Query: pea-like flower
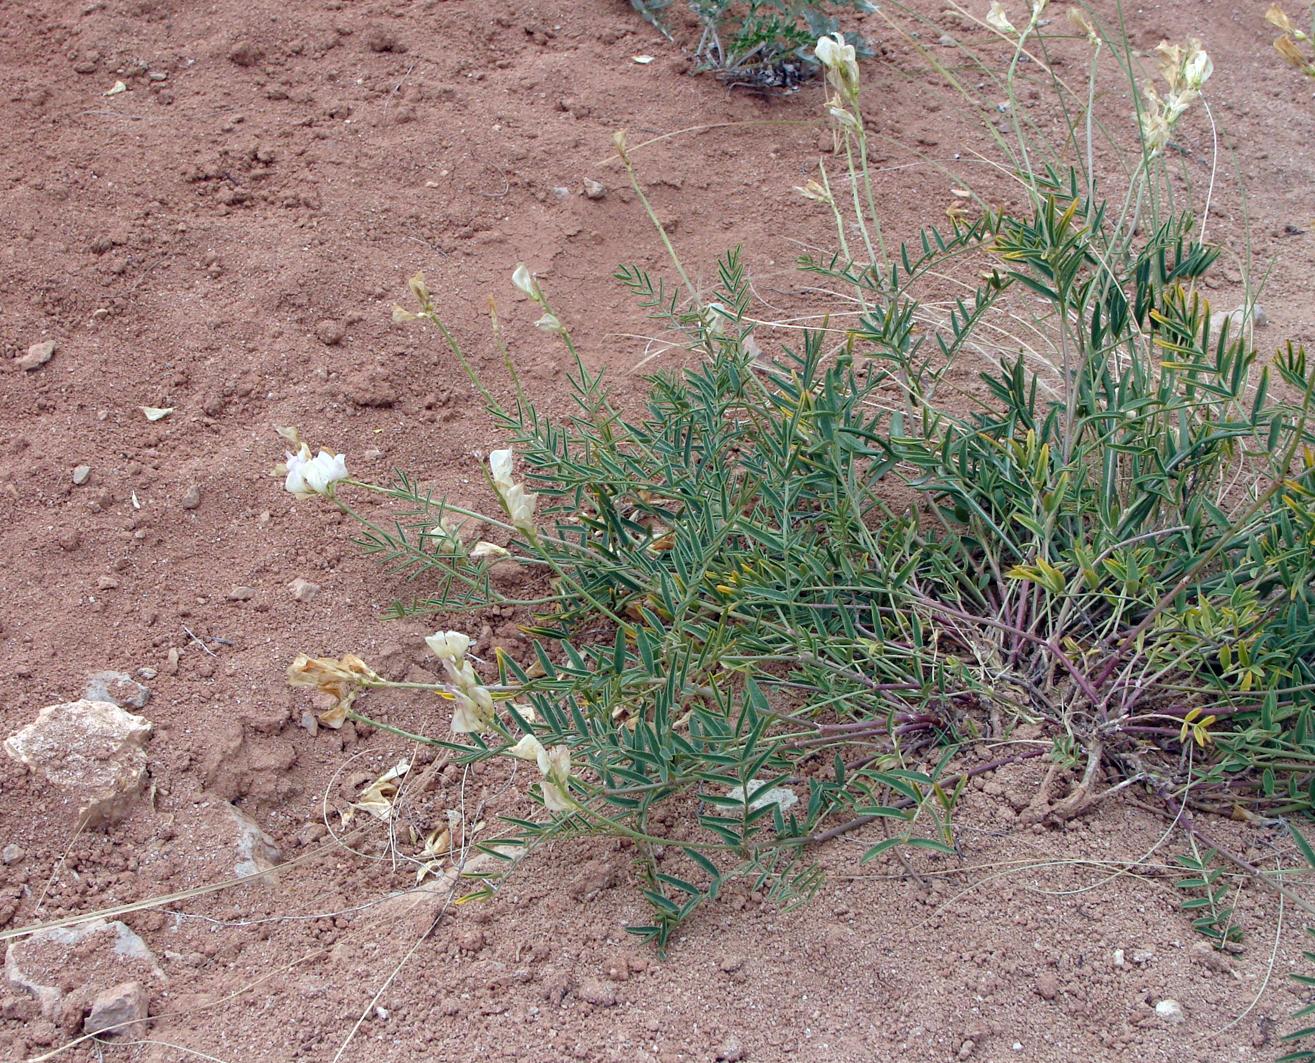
{"points": [[525, 283], [518, 502], [999, 21], [840, 60], [448, 645], [309, 476], [555, 767]]}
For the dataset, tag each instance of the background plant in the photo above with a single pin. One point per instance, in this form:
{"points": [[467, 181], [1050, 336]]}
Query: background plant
{"points": [[760, 43]]}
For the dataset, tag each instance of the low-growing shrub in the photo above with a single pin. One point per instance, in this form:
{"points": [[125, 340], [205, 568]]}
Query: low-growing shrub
{"points": [[742, 644]]}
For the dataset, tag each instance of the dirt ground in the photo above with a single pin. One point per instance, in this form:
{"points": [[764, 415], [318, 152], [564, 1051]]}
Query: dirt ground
{"points": [[226, 238]]}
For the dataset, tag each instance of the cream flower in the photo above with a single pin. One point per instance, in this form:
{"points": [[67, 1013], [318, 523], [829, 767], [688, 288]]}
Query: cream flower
{"points": [[551, 323], [448, 645], [467, 716], [518, 502], [999, 21], [556, 773], [530, 748], [525, 283], [500, 462], [483, 549], [309, 476], [555, 767], [840, 61]]}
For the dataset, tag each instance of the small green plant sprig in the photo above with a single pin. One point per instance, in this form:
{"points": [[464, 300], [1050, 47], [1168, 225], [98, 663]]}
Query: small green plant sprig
{"points": [[761, 44], [1205, 897]]}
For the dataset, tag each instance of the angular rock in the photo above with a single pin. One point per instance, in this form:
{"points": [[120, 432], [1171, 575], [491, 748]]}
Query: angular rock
{"points": [[234, 841], [117, 1011], [87, 959], [92, 750], [81, 474], [1169, 1011], [118, 687], [594, 189]]}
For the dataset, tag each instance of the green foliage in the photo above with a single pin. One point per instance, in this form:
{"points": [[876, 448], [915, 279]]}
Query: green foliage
{"points": [[746, 644], [1305, 1033]]}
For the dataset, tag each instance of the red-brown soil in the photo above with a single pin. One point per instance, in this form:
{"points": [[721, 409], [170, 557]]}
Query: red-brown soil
{"points": [[226, 237]]}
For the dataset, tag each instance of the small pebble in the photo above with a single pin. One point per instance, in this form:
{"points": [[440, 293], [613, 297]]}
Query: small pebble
{"points": [[241, 594], [38, 355], [594, 189], [191, 497], [731, 1051], [1169, 1011], [12, 854], [330, 333], [81, 474], [303, 589]]}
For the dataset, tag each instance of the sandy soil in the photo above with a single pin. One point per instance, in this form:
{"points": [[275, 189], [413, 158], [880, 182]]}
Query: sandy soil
{"points": [[226, 238]]}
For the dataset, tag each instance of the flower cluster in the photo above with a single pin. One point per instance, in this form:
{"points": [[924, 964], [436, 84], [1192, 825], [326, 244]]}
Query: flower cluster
{"points": [[518, 502], [1185, 70], [527, 284], [555, 766], [841, 63], [474, 701]]}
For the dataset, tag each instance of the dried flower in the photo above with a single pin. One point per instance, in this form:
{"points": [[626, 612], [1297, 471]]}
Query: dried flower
{"points": [[814, 191], [341, 679], [309, 476], [1185, 69]]}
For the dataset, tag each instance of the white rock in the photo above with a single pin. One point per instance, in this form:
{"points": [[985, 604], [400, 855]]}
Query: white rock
{"points": [[92, 750], [1169, 1011], [594, 189]]}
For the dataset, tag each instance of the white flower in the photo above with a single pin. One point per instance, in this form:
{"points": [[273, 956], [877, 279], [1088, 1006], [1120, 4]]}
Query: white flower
{"points": [[483, 549], [524, 281], [500, 468], [519, 502], [1198, 66], [556, 768], [467, 717], [998, 20], [448, 645], [551, 323], [309, 476], [530, 748], [840, 61], [778, 795]]}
